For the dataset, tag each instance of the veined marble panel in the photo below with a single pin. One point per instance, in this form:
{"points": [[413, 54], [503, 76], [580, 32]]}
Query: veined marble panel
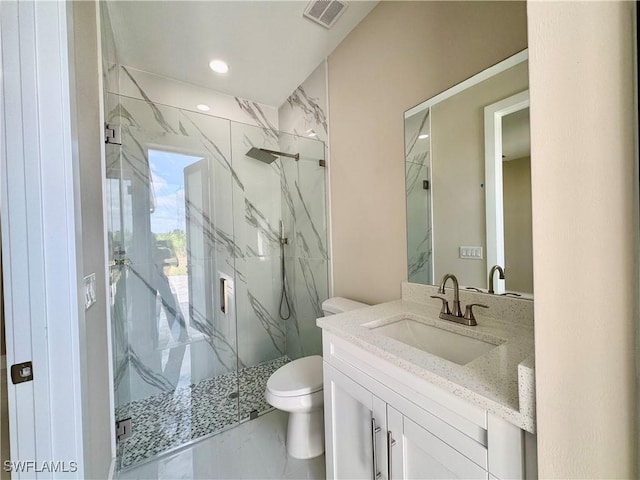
{"points": [[417, 142], [147, 115], [304, 210], [418, 165], [261, 332], [304, 113], [291, 324], [163, 90], [311, 219], [288, 179], [256, 197], [419, 244], [311, 290]]}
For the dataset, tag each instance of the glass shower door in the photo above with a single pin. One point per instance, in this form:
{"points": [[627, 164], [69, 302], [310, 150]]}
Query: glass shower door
{"points": [[175, 354], [281, 268]]}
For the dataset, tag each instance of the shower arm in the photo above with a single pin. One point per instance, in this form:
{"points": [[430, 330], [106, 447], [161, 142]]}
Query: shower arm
{"points": [[282, 154]]}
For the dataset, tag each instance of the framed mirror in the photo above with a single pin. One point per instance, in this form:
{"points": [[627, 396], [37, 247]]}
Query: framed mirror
{"points": [[468, 182]]}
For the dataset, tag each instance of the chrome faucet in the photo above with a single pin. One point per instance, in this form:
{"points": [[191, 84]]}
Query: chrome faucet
{"points": [[492, 274], [455, 315]]}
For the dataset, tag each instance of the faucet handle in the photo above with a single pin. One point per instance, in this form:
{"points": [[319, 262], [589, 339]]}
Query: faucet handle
{"points": [[445, 305], [468, 312]]}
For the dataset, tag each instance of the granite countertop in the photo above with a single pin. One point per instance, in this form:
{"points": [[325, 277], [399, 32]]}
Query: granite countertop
{"points": [[500, 380]]}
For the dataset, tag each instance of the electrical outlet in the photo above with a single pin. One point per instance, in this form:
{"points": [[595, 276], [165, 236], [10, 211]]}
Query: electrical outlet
{"points": [[470, 253], [89, 290]]}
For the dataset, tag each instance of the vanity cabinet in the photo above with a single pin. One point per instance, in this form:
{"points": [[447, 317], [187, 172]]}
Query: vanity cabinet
{"points": [[382, 422]]}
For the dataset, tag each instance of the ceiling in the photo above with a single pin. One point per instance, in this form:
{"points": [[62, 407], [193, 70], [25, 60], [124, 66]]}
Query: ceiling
{"points": [[269, 46]]}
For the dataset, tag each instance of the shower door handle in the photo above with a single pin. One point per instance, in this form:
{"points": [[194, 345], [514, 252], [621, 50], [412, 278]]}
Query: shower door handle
{"points": [[224, 298]]}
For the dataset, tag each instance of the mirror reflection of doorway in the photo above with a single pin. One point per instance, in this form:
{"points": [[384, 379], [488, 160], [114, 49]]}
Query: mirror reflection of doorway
{"points": [[504, 142], [516, 192]]}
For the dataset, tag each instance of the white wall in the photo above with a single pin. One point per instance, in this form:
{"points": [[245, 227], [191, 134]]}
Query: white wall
{"points": [[584, 220]]}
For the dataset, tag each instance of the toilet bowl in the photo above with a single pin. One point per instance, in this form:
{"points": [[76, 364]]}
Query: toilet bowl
{"points": [[296, 388]]}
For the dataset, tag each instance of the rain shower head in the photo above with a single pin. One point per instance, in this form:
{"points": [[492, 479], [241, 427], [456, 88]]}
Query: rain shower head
{"points": [[268, 156], [260, 154]]}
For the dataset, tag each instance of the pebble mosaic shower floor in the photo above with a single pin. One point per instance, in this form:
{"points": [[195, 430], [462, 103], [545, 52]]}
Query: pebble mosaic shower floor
{"points": [[171, 419]]}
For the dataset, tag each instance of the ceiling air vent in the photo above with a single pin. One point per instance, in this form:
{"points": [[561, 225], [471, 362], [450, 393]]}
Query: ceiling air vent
{"points": [[325, 12]]}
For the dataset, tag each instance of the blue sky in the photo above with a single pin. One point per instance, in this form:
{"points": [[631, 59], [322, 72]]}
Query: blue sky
{"points": [[167, 171]]}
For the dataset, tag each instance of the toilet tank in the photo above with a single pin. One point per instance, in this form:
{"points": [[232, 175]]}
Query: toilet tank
{"points": [[334, 305]]}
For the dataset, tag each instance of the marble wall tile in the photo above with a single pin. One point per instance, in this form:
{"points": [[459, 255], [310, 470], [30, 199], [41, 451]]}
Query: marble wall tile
{"points": [[167, 91], [305, 111], [419, 244], [418, 165], [256, 197], [292, 326], [261, 332], [288, 201], [311, 217], [304, 114], [311, 289], [147, 116], [417, 149]]}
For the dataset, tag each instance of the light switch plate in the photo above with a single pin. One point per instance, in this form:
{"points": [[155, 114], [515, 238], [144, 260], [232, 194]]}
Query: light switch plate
{"points": [[89, 290], [472, 253]]}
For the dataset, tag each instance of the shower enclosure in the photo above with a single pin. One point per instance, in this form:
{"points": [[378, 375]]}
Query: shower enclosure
{"points": [[198, 235]]}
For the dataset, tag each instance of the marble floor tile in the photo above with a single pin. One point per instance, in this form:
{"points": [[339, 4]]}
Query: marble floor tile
{"points": [[253, 450]]}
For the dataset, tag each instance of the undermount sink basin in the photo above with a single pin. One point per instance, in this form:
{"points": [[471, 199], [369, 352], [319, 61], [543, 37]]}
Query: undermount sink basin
{"points": [[451, 346]]}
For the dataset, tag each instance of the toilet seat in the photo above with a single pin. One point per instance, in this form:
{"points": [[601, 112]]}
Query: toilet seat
{"points": [[299, 377]]}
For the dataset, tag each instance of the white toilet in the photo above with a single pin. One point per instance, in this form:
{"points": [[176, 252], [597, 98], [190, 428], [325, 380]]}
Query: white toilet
{"points": [[297, 388]]}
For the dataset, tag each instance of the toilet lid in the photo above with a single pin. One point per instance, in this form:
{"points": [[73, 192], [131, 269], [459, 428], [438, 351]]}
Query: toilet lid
{"points": [[299, 377]]}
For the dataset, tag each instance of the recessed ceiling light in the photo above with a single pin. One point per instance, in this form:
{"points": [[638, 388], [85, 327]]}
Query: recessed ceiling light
{"points": [[423, 136], [204, 108], [219, 66]]}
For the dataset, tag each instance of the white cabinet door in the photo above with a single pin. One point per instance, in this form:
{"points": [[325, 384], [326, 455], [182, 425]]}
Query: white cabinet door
{"points": [[417, 454], [355, 429]]}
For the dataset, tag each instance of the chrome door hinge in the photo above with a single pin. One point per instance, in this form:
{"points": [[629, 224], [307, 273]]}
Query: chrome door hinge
{"points": [[120, 262], [112, 134], [123, 429]]}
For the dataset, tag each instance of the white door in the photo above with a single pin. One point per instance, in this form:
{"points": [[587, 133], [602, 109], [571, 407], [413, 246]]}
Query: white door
{"points": [[355, 429], [39, 241]]}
